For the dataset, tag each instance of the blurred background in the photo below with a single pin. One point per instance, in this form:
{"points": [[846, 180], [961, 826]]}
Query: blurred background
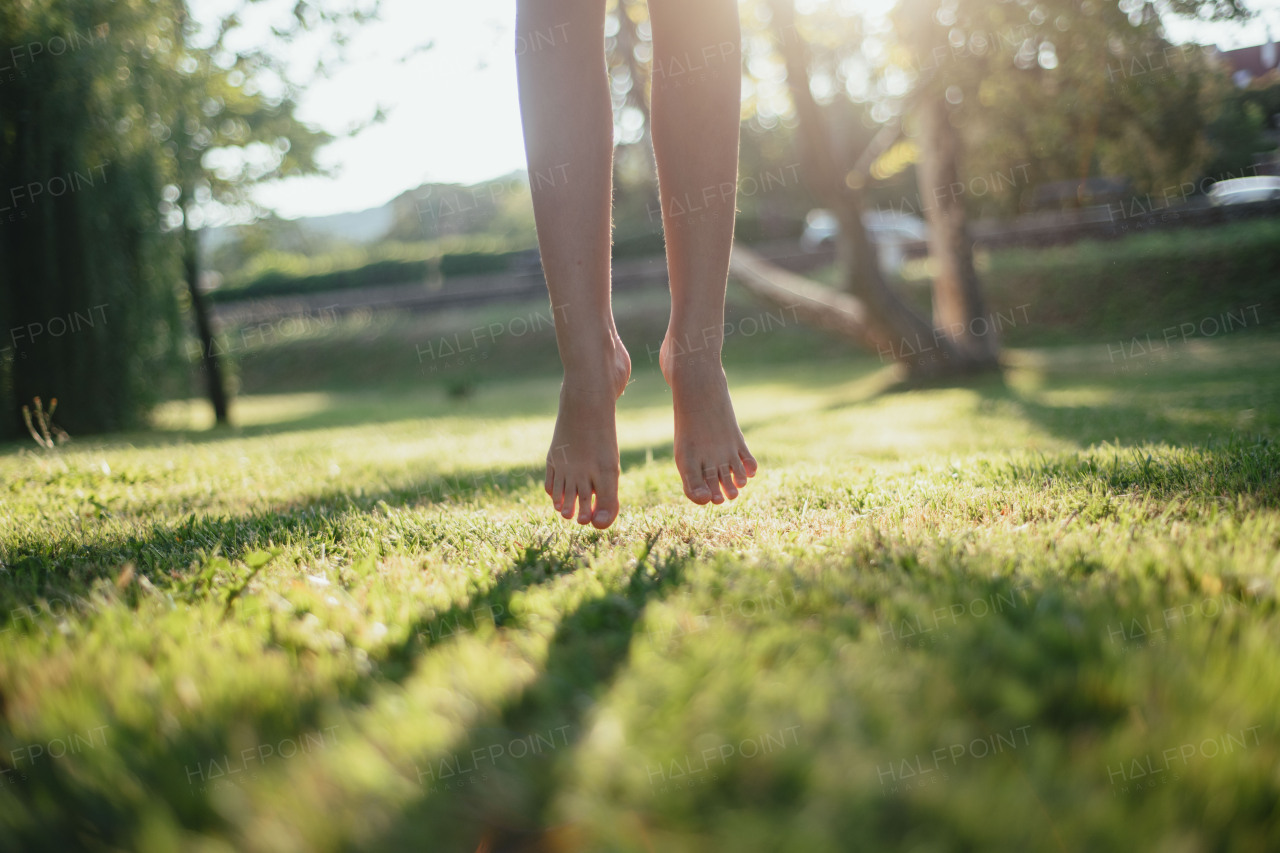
{"points": [[266, 197], [278, 370]]}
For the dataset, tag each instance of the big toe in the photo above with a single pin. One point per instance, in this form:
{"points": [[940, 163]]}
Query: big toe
{"points": [[696, 490], [606, 508]]}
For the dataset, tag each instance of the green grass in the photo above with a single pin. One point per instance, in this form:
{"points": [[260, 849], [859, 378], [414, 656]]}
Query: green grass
{"points": [[365, 574]]}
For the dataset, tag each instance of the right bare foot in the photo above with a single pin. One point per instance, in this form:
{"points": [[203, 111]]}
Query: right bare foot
{"points": [[583, 459], [711, 453]]}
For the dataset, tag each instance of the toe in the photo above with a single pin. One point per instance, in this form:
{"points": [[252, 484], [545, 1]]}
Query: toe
{"points": [[748, 461], [739, 471], [696, 490], [570, 496], [584, 502], [726, 481], [606, 508], [713, 484], [550, 482], [557, 491]]}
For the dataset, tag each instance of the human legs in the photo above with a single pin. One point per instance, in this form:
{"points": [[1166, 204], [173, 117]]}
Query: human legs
{"points": [[568, 127], [696, 112]]}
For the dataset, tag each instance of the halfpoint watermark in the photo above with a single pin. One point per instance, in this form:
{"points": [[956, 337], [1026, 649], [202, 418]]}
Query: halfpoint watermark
{"points": [[537, 40], [251, 759], [21, 196], [975, 187], [1155, 629], [14, 765], [265, 333], [978, 327], [710, 339], [1142, 773], [745, 609], [919, 771], [457, 771], [461, 348], [705, 766], [1170, 336], [714, 199], [696, 66], [22, 56], [928, 629]]}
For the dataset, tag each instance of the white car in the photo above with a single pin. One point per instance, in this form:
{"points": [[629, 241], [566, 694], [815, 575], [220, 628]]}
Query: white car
{"points": [[891, 233], [1245, 190]]}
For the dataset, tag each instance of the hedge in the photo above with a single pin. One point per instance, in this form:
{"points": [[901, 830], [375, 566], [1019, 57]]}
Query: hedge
{"points": [[1138, 285]]}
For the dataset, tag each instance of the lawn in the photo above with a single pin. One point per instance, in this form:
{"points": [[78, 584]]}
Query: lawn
{"points": [[1030, 614]]}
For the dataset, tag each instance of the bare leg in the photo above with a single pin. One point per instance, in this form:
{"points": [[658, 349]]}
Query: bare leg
{"points": [[696, 113], [568, 129]]}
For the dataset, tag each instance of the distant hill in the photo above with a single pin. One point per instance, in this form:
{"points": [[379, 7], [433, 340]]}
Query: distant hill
{"points": [[360, 227], [431, 211], [363, 226], [423, 213]]}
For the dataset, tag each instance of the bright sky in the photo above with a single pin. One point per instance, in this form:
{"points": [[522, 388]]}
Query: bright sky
{"points": [[452, 110], [453, 113]]}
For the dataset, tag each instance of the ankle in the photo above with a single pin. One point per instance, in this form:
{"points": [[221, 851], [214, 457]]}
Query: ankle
{"points": [[602, 367], [697, 345], [587, 351], [677, 363]]}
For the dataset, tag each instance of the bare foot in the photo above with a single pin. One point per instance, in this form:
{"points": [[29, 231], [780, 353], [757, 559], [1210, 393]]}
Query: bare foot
{"points": [[711, 454], [583, 459]]}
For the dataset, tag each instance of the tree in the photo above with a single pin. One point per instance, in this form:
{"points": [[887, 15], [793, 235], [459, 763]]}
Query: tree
{"points": [[117, 131], [234, 126], [1063, 90], [1046, 89], [882, 317], [88, 307]]}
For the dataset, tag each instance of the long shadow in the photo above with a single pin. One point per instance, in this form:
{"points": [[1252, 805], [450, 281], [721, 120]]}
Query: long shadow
{"points": [[1235, 462], [187, 766], [1227, 463], [63, 570], [493, 792]]}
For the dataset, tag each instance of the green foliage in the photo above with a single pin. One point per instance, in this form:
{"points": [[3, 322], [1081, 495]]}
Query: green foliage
{"points": [[1111, 95], [1238, 132], [87, 301], [283, 273], [109, 116], [275, 273]]}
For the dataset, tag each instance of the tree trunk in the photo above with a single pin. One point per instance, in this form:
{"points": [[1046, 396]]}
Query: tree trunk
{"points": [[959, 310], [209, 362], [808, 302], [897, 330], [893, 326]]}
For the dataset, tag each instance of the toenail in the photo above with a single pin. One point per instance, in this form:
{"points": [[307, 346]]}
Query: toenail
{"points": [[602, 517]]}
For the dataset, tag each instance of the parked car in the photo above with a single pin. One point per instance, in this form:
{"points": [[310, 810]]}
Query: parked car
{"points": [[1245, 190], [891, 233]]}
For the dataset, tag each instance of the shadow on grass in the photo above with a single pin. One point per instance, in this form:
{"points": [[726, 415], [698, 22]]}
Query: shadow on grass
{"points": [[503, 807], [65, 569], [190, 764], [1207, 457]]}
